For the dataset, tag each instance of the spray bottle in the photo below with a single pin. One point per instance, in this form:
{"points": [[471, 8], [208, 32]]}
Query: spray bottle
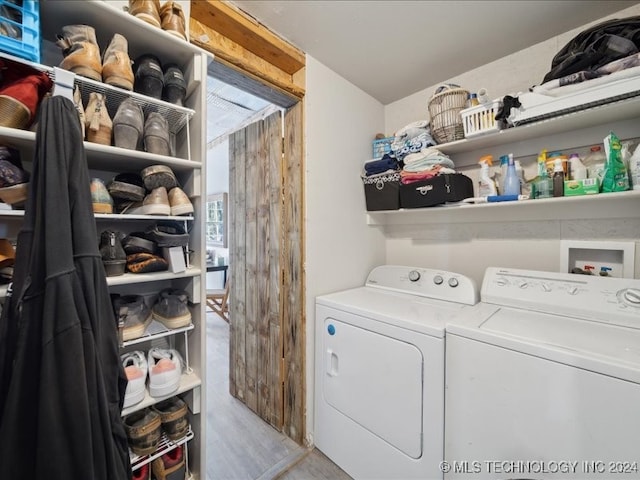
{"points": [[511, 182], [486, 184], [543, 184]]}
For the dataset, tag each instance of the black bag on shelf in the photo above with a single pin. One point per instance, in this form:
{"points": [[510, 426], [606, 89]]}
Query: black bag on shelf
{"points": [[382, 192], [436, 191]]}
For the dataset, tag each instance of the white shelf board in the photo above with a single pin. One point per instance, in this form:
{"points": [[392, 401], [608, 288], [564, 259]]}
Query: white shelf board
{"points": [[188, 381], [594, 207], [604, 114], [123, 216], [164, 333], [129, 278]]}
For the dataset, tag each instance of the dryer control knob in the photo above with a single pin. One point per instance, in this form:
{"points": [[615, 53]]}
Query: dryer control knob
{"points": [[632, 296], [523, 284], [414, 275], [572, 291], [453, 282], [438, 279], [501, 282], [545, 287]]}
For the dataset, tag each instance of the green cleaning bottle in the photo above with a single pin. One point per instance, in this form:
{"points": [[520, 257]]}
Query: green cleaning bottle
{"points": [[616, 178], [544, 184]]}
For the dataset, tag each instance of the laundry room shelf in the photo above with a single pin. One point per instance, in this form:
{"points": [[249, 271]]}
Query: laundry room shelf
{"points": [[165, 445], [129, 278], [159, 331], [593, 207], [124, 216]]}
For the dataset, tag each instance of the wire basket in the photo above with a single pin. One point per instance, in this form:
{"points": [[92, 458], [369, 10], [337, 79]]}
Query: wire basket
{"points": [[444, 110]]}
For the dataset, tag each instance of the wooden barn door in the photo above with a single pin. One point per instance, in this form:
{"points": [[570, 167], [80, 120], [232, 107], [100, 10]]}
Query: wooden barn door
{"points": [[255, 191]]}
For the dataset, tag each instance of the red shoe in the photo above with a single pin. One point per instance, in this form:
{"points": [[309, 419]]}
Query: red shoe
{"points": [[22, 90], [170, 466], [142, 473]]}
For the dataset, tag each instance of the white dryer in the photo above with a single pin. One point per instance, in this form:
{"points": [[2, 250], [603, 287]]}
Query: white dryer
{"points": [[379, 371], [543, 379]]}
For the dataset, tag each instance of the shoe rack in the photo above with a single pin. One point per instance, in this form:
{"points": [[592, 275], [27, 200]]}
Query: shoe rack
{"points": [[188, 132]]}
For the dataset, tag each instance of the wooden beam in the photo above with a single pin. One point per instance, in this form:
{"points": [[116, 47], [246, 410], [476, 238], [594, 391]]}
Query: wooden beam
{"points": [[247, 32], [230, 53]]}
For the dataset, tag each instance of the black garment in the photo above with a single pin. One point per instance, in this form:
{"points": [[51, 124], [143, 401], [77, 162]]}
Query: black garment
{"points": [[61, 380], [596, 46]]}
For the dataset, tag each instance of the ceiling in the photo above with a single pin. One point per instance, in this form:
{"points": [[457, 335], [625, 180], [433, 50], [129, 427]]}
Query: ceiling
{"points": [[392, 49]]}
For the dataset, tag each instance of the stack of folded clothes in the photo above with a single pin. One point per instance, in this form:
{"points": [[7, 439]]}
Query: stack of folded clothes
{"points": [[425, 164], [411, 139], [384, 165]]}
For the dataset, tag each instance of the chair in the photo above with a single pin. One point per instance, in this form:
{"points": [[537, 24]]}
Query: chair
{"points": [[217, 301]]}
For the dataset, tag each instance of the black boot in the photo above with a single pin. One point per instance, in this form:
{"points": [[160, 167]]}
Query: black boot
{"points": [[113, 257]]}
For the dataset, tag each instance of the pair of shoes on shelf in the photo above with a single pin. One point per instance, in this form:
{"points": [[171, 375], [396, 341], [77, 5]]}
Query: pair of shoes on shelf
{"points": [[82, 56], [169, 466], [131, 129], [146, 263], [133, 315], [100, 198], [162, 366], [169, 17], [14, 181], [159, 202], [166, 83], [22, 88]]}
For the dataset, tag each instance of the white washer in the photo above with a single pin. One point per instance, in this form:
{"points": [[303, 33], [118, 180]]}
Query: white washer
{"points": [[543, 379], [379, 376]]}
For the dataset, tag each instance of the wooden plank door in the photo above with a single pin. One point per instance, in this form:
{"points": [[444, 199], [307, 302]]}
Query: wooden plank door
{"points": [[256, 212]]}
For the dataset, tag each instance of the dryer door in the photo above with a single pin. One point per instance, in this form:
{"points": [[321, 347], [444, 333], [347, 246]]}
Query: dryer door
{"points": [[376, 381]]}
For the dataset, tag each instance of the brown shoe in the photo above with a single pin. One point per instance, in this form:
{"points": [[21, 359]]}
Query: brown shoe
{"points": [[156, 135], [156, 203], [159, 176], [173, 19], [77, 101], [180, 203], [143, 431], [116, 64], [147, 10], [81, 51], [98, 122], [173, 414]]}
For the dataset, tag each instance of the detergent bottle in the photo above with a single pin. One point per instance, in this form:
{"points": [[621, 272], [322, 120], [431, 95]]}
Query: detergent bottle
{"points": [[543, 185], [486, 184], [616, 178]]}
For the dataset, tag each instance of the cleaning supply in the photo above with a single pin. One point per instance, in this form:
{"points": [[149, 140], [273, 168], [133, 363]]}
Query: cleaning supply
{"points": [[634, 169], [504, 163], [486, 184], [496, 198], [558, 178], [616, 178], [594, 162], [525, 187], [511, 181], [543, 185], [604, 271], [577, 168]]}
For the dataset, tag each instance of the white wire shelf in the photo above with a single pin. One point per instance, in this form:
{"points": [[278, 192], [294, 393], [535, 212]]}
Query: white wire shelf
{"points": [[129, 278], [165, 445], [157, 330], [188, 381]]}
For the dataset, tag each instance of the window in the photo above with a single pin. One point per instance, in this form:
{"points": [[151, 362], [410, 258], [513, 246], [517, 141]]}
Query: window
{"points": [[216, 220]]}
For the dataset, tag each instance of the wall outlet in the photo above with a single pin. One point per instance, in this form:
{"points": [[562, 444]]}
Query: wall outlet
{"points": [[618, 257]]}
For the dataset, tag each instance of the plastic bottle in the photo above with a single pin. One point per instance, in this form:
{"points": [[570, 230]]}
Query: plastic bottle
{"points": [[558, 178], [473, 100], [543, 184], [578, 170], [504, 163], [634, 169], [511, 181], [594, 162], [616, 177], [486, 184], [525, 188]]}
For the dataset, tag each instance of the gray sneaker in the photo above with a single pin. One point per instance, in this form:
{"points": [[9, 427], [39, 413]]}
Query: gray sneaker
{"points": [[134, 313], [171, 308]]}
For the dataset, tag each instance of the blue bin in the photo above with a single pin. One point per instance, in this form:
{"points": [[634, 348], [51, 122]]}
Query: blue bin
{"points": [[22, 22]]}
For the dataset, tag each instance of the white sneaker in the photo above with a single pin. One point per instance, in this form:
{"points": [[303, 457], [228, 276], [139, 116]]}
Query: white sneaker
{"points": [[165, 370], [135, 366]]}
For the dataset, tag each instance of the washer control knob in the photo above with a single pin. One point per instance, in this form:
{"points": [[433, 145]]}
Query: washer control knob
{"points": [[522, 284], [632, 295], [453, 282], [572, 291], [501, 282], [545, 287], [414, 275], [438, 279]]}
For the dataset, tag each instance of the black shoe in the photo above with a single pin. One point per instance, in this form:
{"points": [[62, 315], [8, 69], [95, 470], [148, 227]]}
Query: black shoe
{"points": [[169, 233], [113, 257], [149, 79], [175, 86], [138, 242], [127, 186], [171, 308]]}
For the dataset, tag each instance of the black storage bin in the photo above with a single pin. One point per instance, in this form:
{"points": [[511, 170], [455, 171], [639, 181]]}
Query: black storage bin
{"points": [[382, 192], [436, 191]]}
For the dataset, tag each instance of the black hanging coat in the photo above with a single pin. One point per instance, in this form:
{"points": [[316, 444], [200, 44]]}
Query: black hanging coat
{"points": [[61, 381]]}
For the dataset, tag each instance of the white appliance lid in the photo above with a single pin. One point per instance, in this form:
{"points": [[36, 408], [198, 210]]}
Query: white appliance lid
{"points": [[424, 315], [607, 349]]}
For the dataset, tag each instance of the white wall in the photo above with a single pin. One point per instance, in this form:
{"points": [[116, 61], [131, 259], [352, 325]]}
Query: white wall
{"points": [[470, 248], [340, 123]]}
